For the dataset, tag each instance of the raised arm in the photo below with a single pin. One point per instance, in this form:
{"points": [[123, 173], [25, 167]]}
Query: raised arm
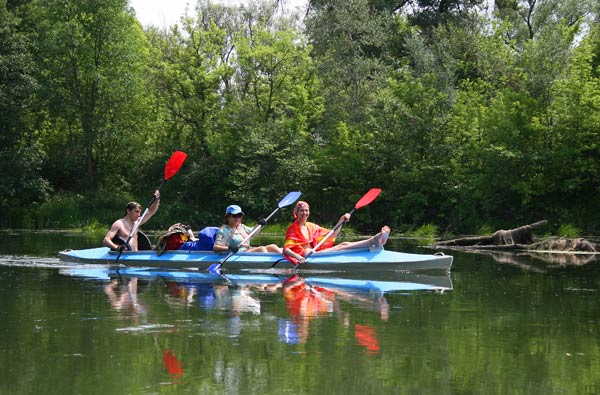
{"points": [[153, 208]]}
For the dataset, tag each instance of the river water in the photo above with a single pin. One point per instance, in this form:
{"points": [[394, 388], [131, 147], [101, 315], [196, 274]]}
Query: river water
{"points": [[502, 324]]}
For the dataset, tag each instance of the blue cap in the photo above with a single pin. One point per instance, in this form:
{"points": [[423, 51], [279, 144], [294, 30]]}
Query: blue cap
{"points": [[234, 209]]}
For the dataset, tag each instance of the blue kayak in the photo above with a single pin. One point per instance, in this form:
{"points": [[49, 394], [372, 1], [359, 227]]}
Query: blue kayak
{"points": [[354, 259]]}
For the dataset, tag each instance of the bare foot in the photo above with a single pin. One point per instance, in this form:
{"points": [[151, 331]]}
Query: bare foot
{"points": [[380, 239], [383, 235]]}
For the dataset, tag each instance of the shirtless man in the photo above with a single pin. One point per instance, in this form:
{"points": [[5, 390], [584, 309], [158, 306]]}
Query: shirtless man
{"points": [[122, 227]]}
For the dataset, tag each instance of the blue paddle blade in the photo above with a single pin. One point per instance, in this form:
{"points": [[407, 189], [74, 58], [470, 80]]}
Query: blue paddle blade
{"points": [[289, 199], [214, 268]]}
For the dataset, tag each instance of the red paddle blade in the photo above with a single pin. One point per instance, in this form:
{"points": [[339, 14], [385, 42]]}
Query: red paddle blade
{"points": [[367, 198], [174, 164]]}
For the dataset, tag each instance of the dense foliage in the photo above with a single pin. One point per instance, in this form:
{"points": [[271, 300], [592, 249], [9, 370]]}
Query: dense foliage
{"points": [[465, 116]]}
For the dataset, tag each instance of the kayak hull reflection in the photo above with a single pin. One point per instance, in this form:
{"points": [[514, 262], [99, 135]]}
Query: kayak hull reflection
{"points": [[400, 282]]}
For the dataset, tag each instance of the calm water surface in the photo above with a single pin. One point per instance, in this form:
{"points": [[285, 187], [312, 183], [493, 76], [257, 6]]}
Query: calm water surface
{"points": [[505, 324]]}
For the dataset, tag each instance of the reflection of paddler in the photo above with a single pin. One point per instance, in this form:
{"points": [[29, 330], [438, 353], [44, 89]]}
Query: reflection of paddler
{"points": [[307, 301], [122, 295], [304, 302], [236, 300]]}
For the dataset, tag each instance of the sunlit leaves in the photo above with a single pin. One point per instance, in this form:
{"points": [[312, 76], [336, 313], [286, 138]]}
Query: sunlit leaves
{"points": [[92, 61]]}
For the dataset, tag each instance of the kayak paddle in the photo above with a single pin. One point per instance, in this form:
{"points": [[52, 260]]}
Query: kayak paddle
{"points": [[171, 168], [286, 201], [364, 201]]}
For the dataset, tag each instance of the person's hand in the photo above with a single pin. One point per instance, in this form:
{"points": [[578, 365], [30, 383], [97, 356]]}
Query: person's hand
{"points": [[301, 258], [234, 249], [123, 247], [262, 222], [344, 218]]}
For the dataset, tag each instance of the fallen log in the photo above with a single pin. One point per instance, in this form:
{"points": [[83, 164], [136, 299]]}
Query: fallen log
{"points": [[521, 235], [521, 238]]}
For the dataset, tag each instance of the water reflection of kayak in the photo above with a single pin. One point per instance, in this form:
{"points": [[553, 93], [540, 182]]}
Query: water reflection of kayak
{"points": [[357, 259], [400, 281]]}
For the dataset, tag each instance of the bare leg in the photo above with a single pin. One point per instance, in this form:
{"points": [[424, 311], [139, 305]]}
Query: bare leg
{"points": [[376, 242], [256, 249], [267, 248], [274, 248]]}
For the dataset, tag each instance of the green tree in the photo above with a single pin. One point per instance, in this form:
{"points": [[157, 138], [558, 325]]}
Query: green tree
{"points": [[20, 153], [92, 55], [349, 44], [429, 14], [274, 104], [573, 165], [237, 88], [530, 17], [411, 148]]}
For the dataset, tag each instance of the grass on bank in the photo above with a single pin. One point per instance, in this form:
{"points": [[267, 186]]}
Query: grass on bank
{"points": [[425, 235]]}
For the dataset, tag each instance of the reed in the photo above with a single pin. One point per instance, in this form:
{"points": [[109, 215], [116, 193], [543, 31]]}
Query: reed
{"points": [[569, 231], [425, 234]]}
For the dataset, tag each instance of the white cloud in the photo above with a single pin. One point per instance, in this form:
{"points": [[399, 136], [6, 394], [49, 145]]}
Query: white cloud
{"points": [[164, 13], [161, 13]]}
